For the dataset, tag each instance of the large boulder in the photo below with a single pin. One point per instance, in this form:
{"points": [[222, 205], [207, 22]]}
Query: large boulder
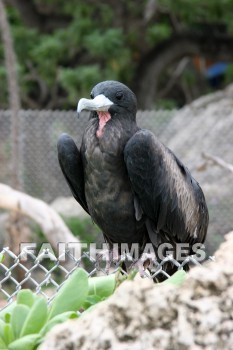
{"points": [[206, 126], [68, 207], [141, 315]]}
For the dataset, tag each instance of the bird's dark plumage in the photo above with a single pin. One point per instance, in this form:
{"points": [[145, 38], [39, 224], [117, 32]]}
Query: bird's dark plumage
{"points": [[134, 188]]}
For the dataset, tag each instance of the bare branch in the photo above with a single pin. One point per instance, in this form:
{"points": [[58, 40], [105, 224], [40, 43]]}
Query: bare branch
{"points": [[150, 10], [50, 222], [175, 76], [217, 161]]}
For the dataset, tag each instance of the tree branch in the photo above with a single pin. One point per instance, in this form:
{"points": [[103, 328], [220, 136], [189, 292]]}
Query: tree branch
{"points": [[175, 76], [50, 222], [218, 161]]}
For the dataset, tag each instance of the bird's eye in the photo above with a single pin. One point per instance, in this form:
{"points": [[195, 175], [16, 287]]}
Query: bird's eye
{"points": [[119, 95], [92, 95]]}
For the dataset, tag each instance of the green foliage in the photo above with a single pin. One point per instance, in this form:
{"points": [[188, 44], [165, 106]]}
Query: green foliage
{"points": [[177, 279], [2, 257], [158, 32], [83, 228], [105, 44], [229, 73], [193, 11], [102, 286], [99, 42], [77, 81], [66, 299], [167, 104], [24, 324]]}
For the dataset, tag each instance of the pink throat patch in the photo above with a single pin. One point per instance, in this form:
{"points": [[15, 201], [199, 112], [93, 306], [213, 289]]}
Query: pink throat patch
{"points": [[104, 117]]}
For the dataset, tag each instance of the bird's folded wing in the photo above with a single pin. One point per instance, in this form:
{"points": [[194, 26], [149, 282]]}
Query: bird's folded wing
{"points": [[71, 165], [170, 198]]}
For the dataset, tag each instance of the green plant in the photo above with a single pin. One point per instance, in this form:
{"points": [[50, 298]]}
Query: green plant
{"points": [[83, 228], [24, 323], [2, 257], [177, 279]]}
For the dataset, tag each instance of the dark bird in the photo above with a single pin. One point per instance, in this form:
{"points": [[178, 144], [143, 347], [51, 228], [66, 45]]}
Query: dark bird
{"points": [[134, 188]]}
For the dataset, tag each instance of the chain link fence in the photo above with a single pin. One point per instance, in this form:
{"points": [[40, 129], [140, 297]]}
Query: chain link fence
{"points": [[45, 274]]}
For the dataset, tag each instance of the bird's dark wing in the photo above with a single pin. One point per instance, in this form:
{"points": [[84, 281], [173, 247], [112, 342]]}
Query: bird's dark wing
{"points": [[71, 165], [170, 198]]}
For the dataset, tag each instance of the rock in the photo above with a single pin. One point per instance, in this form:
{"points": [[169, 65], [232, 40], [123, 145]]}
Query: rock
{"points": [[205, 126], [68, 207], [142, 315]]}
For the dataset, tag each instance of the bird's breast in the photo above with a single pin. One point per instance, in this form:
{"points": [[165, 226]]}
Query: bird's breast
{"points": [[107, 188]]}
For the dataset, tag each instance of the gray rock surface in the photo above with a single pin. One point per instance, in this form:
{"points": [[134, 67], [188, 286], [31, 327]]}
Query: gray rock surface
{"points": [[68, 207], [141, 315], [206, 125]]}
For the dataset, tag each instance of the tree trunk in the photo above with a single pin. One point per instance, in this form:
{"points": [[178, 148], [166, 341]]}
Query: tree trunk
{"points": [[13, 90], [17, 230]]}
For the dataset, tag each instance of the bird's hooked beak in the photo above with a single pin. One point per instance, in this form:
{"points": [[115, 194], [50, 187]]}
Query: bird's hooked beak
{"points": [[99, 103]]}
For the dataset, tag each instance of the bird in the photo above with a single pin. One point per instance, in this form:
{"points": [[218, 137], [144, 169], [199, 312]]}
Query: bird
{"points": [[134, 187]]}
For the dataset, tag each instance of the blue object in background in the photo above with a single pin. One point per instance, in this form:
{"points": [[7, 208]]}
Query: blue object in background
{"points": [[216, 69]]}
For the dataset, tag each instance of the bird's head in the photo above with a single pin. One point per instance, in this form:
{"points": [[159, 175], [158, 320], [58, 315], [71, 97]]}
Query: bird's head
{"points": [[110, 97]]}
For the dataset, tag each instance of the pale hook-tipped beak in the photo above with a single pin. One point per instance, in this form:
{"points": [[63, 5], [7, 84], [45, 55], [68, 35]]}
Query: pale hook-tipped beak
{"points": [[99, 103]]}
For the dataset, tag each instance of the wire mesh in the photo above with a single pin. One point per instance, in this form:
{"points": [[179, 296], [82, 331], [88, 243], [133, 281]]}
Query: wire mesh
{"points": [[45, 274]]}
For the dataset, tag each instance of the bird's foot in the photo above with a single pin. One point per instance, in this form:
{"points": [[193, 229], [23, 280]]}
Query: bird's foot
{"points": [[108, 256], [144, 262]]}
